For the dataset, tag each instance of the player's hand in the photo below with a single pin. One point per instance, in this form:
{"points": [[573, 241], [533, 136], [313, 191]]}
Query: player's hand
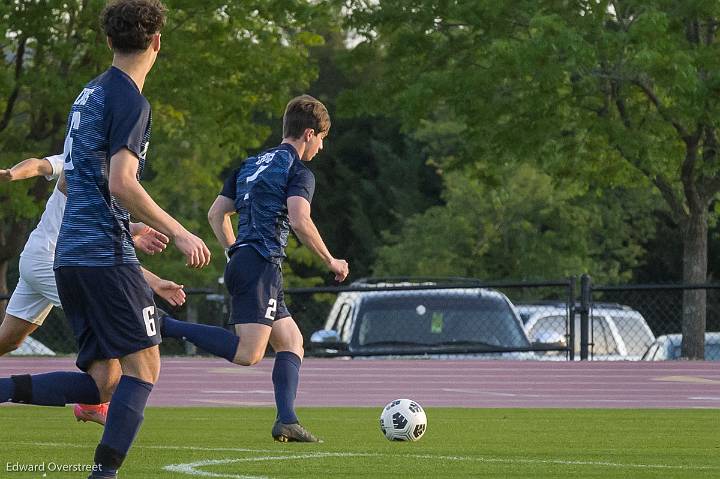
{"points": [[171, 292], [194, 249], [340, 267], [149, 240], [5, 175]]}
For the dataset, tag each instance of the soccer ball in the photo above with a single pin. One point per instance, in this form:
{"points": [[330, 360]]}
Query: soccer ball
{"points": [[403, 420]]}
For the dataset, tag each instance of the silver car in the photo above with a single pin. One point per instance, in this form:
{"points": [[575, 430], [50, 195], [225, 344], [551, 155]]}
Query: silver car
{"points": [[667, 347], [618, 332]]}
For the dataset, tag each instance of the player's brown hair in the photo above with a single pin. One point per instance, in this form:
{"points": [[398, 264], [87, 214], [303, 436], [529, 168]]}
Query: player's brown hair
{"points": [[130, 24], [305, 112]]}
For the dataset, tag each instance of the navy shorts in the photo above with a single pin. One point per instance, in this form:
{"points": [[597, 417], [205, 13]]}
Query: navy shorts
{"points": [[111, 311], [255, 287]]}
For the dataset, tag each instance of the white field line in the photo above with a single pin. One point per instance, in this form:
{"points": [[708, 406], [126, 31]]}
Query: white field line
{"points": [[186, 468], [191, 469]]}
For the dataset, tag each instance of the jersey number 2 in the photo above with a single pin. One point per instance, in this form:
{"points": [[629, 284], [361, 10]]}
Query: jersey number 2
{"points": [[271, 310]]}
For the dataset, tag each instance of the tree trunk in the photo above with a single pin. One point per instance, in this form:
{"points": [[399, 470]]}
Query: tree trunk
{"points": [[3, 287], [695, 243]]}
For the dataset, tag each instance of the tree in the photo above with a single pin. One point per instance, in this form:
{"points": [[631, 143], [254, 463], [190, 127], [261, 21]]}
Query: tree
{"points": [[222, 67], [609, 92], [528, 227]]}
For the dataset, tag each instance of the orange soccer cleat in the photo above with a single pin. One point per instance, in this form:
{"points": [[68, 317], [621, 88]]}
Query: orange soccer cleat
{"points": [[91, 412]]}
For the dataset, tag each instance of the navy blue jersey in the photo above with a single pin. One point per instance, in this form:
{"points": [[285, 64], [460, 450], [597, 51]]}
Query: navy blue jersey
{"points": [[109, 114], [260, 189]]}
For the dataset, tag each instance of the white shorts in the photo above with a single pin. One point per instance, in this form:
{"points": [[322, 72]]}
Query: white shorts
{"points": [[36, 292]]}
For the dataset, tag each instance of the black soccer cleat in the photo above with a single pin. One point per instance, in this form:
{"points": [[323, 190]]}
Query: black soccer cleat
{"points": [[292, 433]]}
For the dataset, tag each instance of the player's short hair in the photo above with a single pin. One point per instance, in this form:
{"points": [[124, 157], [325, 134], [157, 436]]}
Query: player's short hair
{"points": [[304, 112], [130, 24]]}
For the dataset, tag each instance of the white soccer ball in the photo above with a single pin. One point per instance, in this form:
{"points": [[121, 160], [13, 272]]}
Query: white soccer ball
{"points": [[403, 420]]}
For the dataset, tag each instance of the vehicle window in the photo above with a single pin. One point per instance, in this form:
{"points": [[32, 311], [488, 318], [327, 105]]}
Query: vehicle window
{"points": [[634, 332], [436, 320], [550, 329], [602, 338]]}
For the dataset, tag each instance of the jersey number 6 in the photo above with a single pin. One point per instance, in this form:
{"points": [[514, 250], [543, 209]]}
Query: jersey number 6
{"points": [[148, 314]]}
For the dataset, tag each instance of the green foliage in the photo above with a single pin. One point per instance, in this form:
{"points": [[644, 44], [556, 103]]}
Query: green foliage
{"points": [[578, 81], [369, 176], [222, 67], [529, 227], [614, 94]]}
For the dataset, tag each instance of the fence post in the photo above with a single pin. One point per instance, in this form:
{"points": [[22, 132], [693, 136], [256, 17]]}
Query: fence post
{"points": [[192, 317], [570, 339], [585, 300]]}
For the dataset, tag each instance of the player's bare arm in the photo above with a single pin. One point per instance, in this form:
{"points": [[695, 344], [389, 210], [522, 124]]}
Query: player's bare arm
{"points": [[29, 168], [304, 227], [168, 290], [127, 189], [219, 217], [147, 239]]}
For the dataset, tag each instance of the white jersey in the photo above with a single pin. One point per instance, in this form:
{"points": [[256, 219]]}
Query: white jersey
{"points": [[41, 244]]}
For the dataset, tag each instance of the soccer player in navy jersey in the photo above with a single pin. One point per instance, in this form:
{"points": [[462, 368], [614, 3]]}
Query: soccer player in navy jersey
{"points": [[270, 193], [100, 284]]}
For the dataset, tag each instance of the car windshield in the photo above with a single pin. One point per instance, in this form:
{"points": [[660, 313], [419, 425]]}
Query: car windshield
{"points": [[441, 320], [553, 329], [712, 352]]}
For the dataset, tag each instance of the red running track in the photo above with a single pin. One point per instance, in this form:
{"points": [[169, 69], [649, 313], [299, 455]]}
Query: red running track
{"points": [[434, 383]]}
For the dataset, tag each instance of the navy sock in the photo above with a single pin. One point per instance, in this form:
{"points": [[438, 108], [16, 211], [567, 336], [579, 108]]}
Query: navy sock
{"points": [[285, 378], [51, 389], [7, 389], [214, 340], [125, 415]]}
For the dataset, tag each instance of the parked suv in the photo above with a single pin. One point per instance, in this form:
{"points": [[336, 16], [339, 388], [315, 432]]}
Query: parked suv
{"points": [[421, 322], [618, 332]]}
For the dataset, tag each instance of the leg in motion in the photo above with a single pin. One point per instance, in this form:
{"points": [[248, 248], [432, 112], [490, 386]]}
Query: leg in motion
{"points": [[212, 339], [126, 412], [107, 376], [13, 332], [287, 342]]}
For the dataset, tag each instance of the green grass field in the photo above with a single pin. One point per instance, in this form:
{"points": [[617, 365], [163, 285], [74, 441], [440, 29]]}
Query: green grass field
{"points": [[492, 443]]}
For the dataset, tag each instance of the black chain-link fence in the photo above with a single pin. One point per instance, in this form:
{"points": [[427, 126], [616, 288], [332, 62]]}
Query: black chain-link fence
{"points": [[647, 320], [459, 318], [430, 318]]}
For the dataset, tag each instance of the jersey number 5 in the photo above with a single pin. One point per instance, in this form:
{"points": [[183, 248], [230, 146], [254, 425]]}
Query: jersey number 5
{"points": [[81, 100]]}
